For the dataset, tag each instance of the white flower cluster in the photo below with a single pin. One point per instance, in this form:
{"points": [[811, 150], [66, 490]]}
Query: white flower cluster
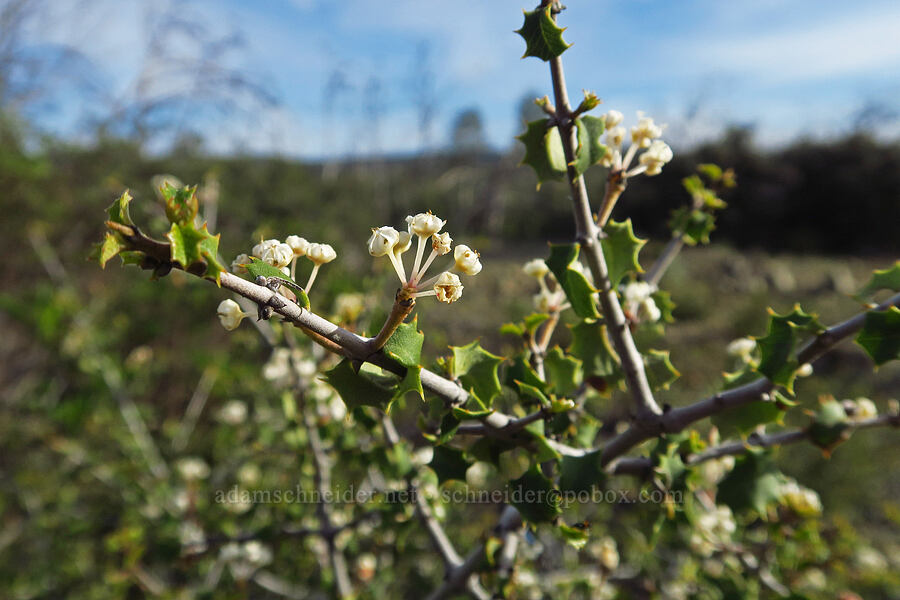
{"points": [[281, 255], [639, 303], [645, 135], [802, 500], [244, 559], [860, 409], [545, 300], [446, 286], [712, 529]]}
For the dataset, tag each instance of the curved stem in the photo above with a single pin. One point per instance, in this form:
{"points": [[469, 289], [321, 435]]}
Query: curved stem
{"points": [[312, 278]]}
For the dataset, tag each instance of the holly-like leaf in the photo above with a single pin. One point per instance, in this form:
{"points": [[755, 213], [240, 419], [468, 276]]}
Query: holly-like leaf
{"points": [[534, 496], [576, 537], [563, 372], [620, 249], [543, 451], [405, 345], [591, 345], [532, 392], [880, 335], [190, 246], [742, 420], [521, 371], [543, 151], [118, 211], [357, 389], [660, 370], [449, 463], [581, 473], [884, 279], [579, 292], [112, 245], [543, 37], [777, 360], [668, 467], [476, 369], [830, 425], [181, 204], [590, 151], [694, 224], [411, 382], [755, 483]]}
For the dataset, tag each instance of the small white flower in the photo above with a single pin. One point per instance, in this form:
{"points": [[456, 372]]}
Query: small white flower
{"points": [[277, 255], [865, 409], [192, 468], [383, 241], [648, 311], [365, 566], [805, 370], [233, 412], [278, 367], [424, 224], [657, 155], [615, 136], [536, 268], [321, 253], [230, 314], [545, 301], [403, 244], [262, 246], [237, 265], [466, 260], [741, 348], [613, 118], [257, 554], [803, 501], [440, 243], [298, 244], [645, 131], [609, 554], [448, 287]]}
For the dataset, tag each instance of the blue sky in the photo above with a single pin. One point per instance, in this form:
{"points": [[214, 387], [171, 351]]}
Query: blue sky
{"points": [[790, 68]]}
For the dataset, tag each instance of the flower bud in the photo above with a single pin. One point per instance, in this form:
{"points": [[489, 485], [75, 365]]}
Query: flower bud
{"points": [[613, 118], [424, 224], [230, 314], [278, 255], [403, 243], [298, 244], [321, 253], [262, 246], [741, 348], [440, 243], [648, 311], [615, 136], [466, 260], [383, 241], [655, 157], [448, 287], [237, 265], [545, 301], [636, 292], [865, 409], [805, 370], [536, 268], [192, 468], [645, 131]]}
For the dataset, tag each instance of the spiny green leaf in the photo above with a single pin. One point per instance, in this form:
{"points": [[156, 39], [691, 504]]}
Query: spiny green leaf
{"points": [[591, 345], [191, 246], [118, 211], [590, 151], [777, 361], [449, 463], [532, 392], [563, 372], [742, 420], [112, 245], [405, 345], [463, 414], [543, 151], [356, 389], [521, 371], [660, 370], [411, 382], [694, 224], [579, 292], [476, 368], [830, 425], [543, 37], [754, 483], [668, 467], [581, 473], [534, 496], [884, 279], [880, 335], [620, 249], [576, 537], [181, 204]]}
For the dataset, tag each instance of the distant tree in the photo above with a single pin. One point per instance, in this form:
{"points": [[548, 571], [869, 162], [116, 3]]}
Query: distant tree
{"points": [[468, 131]]}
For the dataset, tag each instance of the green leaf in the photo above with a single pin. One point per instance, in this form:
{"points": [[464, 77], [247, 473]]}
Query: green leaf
{"points": [[476, 368], [712, 171], [543, 151], [543, 37], [755, 483], [590, 151], [534, 496], [579, 292], [118, 211], [620, 249], [694, 224], [660, 370], [668, 466], [112, 245], [742, 420], [405, 345], [411, 382], [356, 389], [884, 279], [521, 371], [830, 425], [581, 473], [258, 268], [591, 345], [533, 392], [880, 335], [181, 204], [449, 463], [462, 414], [777, 361], [191, 247], [543, 451], [562, 372], [576, 537]]}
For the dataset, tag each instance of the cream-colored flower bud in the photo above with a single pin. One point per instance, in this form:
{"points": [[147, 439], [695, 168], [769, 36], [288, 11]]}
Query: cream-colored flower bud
{"points": [[383, 241], [440, 243], [298, 244], [403, 244], [278, 255], [609, 554], [865, 409], [637, 291], [741, 348], [655, 157], [645, 131], [230, 314], [262, 246], [648, 311], [613, 118], [466, 260], [536, 268], [192, 468], [365, 566], [237, 265], [448, 287], [321, 253], [424, 224], [805, 370], [258, 554], [615, 136], [544, 301], [234, 412]]}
